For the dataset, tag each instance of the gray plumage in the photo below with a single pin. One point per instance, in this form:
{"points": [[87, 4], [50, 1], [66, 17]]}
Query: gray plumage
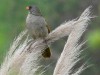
{"points": [[37, 27]]}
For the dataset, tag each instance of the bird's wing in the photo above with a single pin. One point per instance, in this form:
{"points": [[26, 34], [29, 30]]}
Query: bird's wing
{"points": [[48, 27], [46, 53]]}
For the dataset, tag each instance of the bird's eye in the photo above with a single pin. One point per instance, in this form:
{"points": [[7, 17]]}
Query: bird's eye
{"points": [[28, 7]]}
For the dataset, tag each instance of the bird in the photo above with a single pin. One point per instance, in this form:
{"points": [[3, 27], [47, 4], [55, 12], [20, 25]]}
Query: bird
{"points": [[37, 27]]}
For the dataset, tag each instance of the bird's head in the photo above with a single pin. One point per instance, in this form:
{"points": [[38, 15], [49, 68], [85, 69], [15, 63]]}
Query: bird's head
{"points": [[34, 10]]}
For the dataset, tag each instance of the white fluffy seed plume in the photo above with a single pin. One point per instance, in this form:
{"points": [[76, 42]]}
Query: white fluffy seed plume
{"points": [[71, 52], [25, 54]]}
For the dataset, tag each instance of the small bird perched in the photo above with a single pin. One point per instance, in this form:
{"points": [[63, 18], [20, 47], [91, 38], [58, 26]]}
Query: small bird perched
{"points": [[37, 27]]}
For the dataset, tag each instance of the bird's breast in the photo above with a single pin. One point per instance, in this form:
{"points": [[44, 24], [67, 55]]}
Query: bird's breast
{"points": [[36, 26], [31, 18]]}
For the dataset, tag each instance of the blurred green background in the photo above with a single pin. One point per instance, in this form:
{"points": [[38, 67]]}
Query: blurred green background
{"points": [[13, 16]]}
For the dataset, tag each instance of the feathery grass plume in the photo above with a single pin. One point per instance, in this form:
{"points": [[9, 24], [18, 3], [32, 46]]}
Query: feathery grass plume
{"points": [[20, 60], [31, 63], [71, 52], [13, 54], [61, 31], [24, 56]]}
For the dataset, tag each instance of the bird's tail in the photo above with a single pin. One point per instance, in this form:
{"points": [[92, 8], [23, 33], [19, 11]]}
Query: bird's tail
{"points": [[46, 53]]}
